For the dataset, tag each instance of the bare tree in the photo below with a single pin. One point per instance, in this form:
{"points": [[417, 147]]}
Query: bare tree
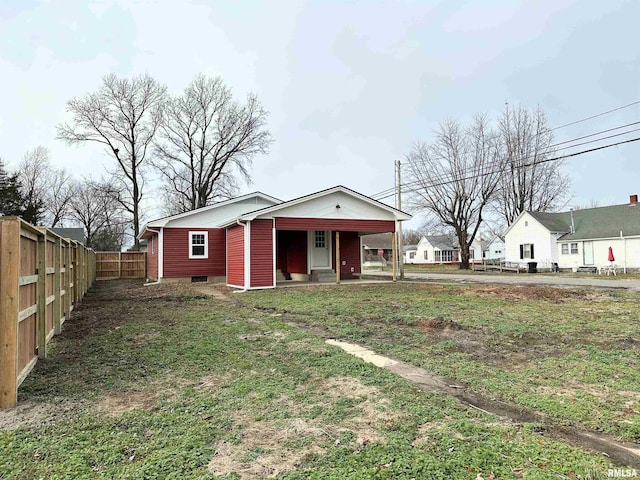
{"points": [[208, 140], [33, 172], [47, 190], [123, 115], [100, 214], [456, 177], [59, 196], [529, 180]]}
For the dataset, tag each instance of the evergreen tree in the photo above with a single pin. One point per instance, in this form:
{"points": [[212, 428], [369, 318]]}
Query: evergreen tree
{"points": [[11, 199]]}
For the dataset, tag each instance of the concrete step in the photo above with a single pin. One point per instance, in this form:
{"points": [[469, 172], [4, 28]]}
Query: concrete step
{"points": [[323, 276], [280, 276]]}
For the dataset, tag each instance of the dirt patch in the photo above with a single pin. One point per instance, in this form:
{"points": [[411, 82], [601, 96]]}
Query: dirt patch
{"points": [[216, 290], [439, 323], [268, 448], [31, 414], [528, 292], [119, 403]]}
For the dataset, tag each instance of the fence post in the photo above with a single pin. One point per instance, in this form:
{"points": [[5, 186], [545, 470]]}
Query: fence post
{"points": [[9, 285], [57, 289], [42, 296], [67, 294], [75, 274]]}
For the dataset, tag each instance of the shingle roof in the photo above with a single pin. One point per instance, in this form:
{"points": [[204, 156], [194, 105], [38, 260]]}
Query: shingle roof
{"points": [[73, 233], [443, 242], [593, 223], [376, 241], [554, 222]]}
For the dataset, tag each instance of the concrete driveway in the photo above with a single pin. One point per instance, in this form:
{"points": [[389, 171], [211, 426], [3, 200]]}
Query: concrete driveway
{"points": [[515, 279]]}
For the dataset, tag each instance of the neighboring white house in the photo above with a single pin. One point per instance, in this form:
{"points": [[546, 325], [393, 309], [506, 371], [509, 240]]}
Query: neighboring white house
{"points": [[577, 238], [437, 249], [494, 249], [409, 252]]}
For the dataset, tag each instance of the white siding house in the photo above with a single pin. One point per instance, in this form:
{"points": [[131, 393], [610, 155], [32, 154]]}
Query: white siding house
{"points": [[443, 249], [495, 249], [532, 238], [578, 238]]}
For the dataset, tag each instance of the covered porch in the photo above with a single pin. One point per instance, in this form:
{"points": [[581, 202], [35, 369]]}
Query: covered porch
{"points": [[312, 239]]}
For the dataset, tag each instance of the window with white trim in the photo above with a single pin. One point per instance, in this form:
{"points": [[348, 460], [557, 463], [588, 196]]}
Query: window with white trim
{"points": [[574, 248], [412, 255], [199, 244], [426, 255], [565, 249]]}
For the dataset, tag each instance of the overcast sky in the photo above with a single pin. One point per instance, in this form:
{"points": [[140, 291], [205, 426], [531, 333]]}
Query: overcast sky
{"points": [[350, 85]]}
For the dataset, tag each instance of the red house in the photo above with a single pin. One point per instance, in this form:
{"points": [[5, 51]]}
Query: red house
{"points": [[255, 240]]}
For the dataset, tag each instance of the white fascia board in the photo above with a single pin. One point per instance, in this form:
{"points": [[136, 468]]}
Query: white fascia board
{"points": [[399, 215], [161, 222]]}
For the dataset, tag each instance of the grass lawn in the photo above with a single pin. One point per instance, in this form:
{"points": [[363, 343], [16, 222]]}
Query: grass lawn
{"points": [[167, 382]]}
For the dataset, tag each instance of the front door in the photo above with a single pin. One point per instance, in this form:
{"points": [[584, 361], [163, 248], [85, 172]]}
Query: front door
{"points": [[587, 252], [320, 242]]}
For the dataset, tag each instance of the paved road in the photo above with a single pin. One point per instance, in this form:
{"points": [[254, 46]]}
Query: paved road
{"points": [[516, 279]]}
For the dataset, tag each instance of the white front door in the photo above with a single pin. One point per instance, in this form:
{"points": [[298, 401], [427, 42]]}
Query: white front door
{"points": [[320, 242], [587, 252]]}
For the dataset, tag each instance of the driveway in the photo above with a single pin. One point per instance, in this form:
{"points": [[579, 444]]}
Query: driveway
{"points": [[515, 279]]}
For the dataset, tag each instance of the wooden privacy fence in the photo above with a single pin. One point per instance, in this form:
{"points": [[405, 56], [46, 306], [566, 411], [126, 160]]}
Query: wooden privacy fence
{"points": [[111, 265], [42, 277]]}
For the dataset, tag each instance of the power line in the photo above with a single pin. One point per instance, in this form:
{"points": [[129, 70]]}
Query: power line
{"points": [[550, 148], [525, 165], [597, 115]]}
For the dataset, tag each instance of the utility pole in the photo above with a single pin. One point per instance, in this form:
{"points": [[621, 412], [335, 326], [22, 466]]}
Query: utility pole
{"points": [[399, 207]]}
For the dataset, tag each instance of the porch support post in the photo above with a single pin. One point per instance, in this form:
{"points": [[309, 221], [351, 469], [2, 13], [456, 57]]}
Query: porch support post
{"points": [[394, 255], [337, 257]]}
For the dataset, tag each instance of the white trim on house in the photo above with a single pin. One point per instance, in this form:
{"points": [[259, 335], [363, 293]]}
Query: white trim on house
{"points": [[311, 241], [247, 255], [275, 253], [161, 222], [398, 214], [205, 233], [160, 254]]}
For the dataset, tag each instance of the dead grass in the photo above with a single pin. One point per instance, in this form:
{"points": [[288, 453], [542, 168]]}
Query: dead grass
{"points": [[31, 414], [270, 447]]}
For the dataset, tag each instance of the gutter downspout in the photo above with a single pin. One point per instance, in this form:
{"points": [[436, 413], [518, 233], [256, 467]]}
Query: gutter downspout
{"points": [[157, 282]]}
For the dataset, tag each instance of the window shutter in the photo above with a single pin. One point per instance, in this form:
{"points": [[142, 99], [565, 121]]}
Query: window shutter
{"points": [[532, 255], [521, 252]]}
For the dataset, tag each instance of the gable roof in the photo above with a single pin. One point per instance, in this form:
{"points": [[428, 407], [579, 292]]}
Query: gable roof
{"points": [[441, 242], [376, 241], [399, 214], [605, 222], [591, 223], [161, 222], [554, 222], [74, 233]]}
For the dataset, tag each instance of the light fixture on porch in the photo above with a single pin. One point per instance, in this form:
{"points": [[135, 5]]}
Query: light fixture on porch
{"points": [[338, 205]]}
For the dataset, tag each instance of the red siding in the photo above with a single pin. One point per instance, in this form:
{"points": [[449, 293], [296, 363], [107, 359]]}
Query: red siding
{"points": [[235, 255], [175, 254], [152, 256], [261, 253], [343, 225], [292, 251], [349, 253]]}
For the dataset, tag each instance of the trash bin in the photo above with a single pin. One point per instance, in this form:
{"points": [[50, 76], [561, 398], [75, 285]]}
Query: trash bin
{"points": [[533, 267], [555, 267]]}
